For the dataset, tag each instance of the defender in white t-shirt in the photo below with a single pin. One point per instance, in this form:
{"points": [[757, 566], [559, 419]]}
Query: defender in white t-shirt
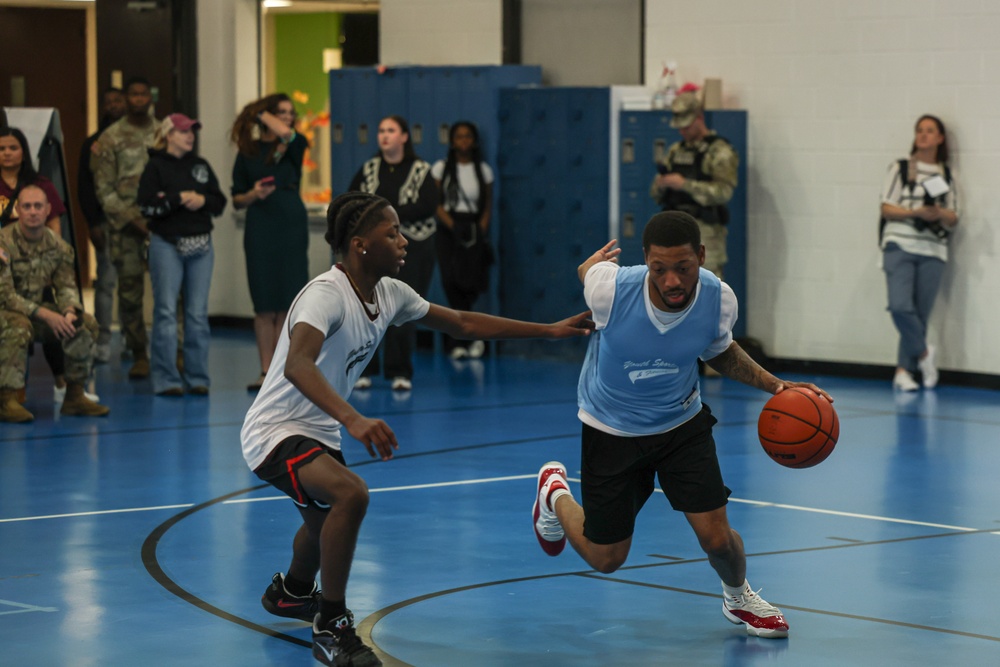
{"points": [[292, 433]]}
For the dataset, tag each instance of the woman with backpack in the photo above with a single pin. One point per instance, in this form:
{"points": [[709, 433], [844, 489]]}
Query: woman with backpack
{"points": [[919, 213]]}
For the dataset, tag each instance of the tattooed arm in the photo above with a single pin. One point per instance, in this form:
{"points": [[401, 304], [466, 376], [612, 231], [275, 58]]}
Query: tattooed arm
{"points": [[737, 364]]}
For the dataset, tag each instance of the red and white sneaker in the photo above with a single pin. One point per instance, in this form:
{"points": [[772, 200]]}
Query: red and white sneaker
{"points": [[759, 616], [548, 530]]}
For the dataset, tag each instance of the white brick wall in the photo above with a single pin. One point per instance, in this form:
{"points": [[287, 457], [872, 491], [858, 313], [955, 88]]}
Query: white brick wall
{"points": [[833, 90], [440, 32]]}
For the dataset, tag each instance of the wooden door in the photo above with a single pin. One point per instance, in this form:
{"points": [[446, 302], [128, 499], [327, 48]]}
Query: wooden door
{"points": [[48, 48]]}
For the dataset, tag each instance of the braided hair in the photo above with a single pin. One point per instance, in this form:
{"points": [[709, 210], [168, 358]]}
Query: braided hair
{"points": [[352, 214]]}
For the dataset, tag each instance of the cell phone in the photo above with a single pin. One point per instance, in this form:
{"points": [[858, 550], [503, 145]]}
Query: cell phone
{"points": [[662, 168], [267, 180]]}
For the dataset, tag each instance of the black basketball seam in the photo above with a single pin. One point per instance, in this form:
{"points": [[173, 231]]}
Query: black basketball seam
{"points": [[791, 416], [827, 446]]}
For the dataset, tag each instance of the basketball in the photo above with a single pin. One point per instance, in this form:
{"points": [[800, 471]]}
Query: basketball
{"points": [[798, 428]]}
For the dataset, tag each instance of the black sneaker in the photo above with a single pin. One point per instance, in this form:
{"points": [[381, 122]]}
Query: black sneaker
{"points": [[338, 645], [280, 602]]}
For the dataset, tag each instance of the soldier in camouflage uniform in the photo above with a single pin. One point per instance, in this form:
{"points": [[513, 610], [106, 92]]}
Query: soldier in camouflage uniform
{"points": [[34, 258], [698, 176], [120, 156]]}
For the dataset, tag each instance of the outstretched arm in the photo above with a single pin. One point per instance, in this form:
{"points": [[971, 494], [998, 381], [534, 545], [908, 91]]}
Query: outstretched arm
{"points": [[301, 370], [605, 254], [479, 326], [735, 363]]}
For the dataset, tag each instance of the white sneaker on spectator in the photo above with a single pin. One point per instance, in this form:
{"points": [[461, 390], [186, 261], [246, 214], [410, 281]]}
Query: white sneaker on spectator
{"points": [[459, 353], [363, 382], [928, 368], [904, 381], [59, 395], [477, 349], [401, 384]]}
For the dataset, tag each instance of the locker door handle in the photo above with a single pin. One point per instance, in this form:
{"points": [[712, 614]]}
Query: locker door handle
{"points": [[363, 133], [417, 133], [659, 149], [628, 226], [338, 133], [628, 151]]}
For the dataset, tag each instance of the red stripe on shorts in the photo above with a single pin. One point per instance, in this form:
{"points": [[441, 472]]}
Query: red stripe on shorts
{"points": [[291, 472]]}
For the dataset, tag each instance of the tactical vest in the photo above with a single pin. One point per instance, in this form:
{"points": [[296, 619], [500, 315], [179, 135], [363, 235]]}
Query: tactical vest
{"points": [[689, 163]]}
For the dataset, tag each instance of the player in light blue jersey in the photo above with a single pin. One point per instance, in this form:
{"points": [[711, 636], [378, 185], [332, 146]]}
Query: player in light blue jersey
{"points": [[640, 403]]}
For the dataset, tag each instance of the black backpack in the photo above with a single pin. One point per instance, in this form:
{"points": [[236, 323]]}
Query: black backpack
{"points": [[904, 176]]}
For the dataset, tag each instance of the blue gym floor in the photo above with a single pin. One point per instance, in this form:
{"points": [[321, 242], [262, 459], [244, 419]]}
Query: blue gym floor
{"points": [[142, 538]]}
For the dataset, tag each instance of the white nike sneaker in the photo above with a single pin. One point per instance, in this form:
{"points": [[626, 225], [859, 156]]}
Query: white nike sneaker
{"points": [[548, 530], [759, 616]]}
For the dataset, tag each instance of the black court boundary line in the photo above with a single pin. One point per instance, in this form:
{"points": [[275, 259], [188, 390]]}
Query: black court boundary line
{"points": [[858, 411], [227, 424], [367, 625], [151, 562], [152, 565]]}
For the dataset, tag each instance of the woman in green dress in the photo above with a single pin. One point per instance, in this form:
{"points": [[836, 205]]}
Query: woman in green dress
{"points": [[266, 179]]}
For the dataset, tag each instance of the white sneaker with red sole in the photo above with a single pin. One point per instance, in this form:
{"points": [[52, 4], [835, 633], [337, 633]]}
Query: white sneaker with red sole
{"points": [[548, 530], [759, 616]]}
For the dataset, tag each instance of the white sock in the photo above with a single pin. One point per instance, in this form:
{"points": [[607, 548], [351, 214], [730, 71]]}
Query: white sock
{"points": [[555, 495], [737, 591]]}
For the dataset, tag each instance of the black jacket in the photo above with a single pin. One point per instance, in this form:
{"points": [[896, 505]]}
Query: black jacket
{"points": [[160, 187]]}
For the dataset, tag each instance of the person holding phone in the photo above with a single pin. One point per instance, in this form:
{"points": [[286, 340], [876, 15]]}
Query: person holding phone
{"points": [[697, 176], [919, 213], [266, 179]]}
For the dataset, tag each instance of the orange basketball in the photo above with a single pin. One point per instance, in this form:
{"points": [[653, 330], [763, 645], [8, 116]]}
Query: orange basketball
{"points": [[798, 428]]}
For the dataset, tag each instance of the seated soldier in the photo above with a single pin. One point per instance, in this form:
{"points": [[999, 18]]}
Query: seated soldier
{"points": [[32, 258]]}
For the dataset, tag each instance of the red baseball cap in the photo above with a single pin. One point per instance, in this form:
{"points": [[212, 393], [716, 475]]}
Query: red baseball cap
{"points": [[179, 121]]}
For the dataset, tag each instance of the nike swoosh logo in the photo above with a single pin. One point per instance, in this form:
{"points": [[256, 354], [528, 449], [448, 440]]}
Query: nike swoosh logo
{"points": [[329, 654], [287, 605]]}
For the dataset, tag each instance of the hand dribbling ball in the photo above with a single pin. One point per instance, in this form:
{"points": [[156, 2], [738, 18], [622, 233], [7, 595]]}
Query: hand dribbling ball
{"points": [[798, 428]]}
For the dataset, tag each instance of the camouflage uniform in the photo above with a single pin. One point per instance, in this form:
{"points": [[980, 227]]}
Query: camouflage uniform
{"points": [[29, 269], [120, 158], [710, 189]]}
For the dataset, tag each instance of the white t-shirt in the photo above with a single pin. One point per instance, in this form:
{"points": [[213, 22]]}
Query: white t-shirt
{"points": [[329, 304], [902, 232], [466, 181]]}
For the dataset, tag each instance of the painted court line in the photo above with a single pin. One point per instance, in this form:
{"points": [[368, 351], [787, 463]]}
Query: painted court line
{"points": [[22, 608], [98, 512], [488, 480]]}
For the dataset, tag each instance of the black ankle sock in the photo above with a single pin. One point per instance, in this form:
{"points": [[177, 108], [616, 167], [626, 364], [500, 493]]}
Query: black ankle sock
{"points": [[297, 587], [329, 610]]}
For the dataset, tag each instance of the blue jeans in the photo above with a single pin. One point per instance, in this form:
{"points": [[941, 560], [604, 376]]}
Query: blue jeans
{"points": [[913, 282], [170, 273]]}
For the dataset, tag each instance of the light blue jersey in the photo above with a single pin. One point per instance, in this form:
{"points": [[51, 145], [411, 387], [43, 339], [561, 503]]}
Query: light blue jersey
{"points": [[641, 378]]}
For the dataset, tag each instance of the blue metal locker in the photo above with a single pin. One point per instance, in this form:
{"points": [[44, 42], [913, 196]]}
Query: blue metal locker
{"points": [[652, 135]]}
